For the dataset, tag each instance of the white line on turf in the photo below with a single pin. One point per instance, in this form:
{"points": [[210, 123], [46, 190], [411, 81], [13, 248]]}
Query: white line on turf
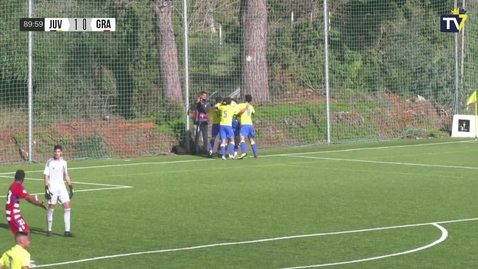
{"points": [[262, 156], [443, 237], [383, 162], [117, 165], [75, 182], [88, 190], [375, 148], [253, 241]]}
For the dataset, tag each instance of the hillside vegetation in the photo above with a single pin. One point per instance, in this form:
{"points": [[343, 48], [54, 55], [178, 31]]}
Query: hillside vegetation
{"points": [[101, 94]]}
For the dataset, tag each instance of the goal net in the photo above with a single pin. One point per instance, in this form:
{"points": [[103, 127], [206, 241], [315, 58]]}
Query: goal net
{"points": [[124, 93]]}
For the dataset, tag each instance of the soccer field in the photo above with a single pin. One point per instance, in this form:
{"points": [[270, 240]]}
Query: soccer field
{"points": [[402, 204]]}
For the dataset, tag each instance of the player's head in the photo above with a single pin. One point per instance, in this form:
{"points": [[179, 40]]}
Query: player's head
{"points": [[58, 150], [203, 96], [248, 98], [20, 176], [227, 100], [23, 239], [218, 100]]}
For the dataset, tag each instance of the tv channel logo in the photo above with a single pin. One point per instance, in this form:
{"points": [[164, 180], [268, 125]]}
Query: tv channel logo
{"points": [[454, 22]]}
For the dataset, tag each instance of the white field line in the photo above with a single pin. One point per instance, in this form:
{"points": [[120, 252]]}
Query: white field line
{"points": [[87, 190], [253, 242], [373, 148], [443, 237], [75, 182], [117, 165], [262, 156], [383, 162]]}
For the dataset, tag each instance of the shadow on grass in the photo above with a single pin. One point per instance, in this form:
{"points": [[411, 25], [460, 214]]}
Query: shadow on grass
{"points": [[33, 230]]}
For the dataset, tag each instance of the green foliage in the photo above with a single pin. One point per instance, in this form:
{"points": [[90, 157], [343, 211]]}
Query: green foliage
{"points": [[416, 133], [367, 52], [20, 140], [175, 128], [169, 116], [44, 148], [65, 141], [13, 54], [87, 146], [373, 45]]}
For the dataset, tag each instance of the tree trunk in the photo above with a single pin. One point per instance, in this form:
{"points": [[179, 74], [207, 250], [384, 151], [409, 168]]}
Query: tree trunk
{"points": [[255, 78], [168, 54], [210, 22]]}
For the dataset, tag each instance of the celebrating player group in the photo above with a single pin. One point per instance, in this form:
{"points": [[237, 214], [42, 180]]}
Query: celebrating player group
{"points": [[233, 123]]}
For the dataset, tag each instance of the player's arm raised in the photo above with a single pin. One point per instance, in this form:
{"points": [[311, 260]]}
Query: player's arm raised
{"points": [[34, 201], [244, 109]]}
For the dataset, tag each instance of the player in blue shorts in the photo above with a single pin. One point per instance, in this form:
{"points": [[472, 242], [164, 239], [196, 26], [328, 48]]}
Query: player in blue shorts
{"points": [[246, 111], [237, 137], [227, 113], [236, 127], [215, 117]]}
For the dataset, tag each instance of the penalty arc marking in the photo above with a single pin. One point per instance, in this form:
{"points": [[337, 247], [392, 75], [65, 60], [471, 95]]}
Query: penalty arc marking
{"points": [[442, 238]]}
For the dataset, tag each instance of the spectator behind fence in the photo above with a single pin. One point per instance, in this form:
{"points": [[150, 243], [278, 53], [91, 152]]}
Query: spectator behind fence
{"points": [[201, 121]]}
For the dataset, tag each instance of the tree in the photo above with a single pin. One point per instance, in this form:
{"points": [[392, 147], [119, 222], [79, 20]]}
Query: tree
{"points": [[168, 54], [254, 61]]}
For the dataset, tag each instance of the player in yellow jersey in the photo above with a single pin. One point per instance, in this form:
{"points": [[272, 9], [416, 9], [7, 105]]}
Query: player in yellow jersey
{"points": [[215, 117], [246, 111], [17, 257], [227, 113]]}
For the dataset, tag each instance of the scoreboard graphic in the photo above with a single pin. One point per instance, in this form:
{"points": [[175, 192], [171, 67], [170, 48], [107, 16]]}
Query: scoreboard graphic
{"points": [[68, 25]]}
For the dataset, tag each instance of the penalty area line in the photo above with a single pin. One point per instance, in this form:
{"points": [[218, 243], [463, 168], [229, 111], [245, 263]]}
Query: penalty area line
{"points": [[268, 240], [87, 190], [383, 162], [262, 156], [116, 165], [77, 182]]}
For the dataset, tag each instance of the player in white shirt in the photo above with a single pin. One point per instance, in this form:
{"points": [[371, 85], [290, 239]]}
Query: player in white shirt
{"points": [[55, 190]]}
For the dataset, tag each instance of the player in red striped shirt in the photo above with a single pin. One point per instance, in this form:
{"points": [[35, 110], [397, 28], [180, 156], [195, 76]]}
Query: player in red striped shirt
{"points": [[12, 209]]}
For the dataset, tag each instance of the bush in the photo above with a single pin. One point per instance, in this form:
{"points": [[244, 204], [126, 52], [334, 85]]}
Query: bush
{"points": [[90, 146]]}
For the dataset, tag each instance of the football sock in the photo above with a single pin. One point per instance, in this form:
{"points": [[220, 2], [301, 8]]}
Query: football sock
{"points": [[254, 148], [211, 145], [67, 219], [223, 150], [243, 146], [49, 219], [236, 148], [231, 148]]}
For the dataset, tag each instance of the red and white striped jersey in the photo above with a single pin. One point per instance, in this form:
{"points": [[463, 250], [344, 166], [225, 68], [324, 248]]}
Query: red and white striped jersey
{"points": [[15, 193]]}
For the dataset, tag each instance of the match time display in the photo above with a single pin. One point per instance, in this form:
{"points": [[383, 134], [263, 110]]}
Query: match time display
{"points": [[68, 24]]}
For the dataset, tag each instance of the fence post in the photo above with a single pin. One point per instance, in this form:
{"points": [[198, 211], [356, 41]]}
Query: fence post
{"points": [[186, 74], [30, 86], [326, 51]]}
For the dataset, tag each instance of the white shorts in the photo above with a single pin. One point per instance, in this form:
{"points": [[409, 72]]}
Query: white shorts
{"points": [[59, 196]]}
